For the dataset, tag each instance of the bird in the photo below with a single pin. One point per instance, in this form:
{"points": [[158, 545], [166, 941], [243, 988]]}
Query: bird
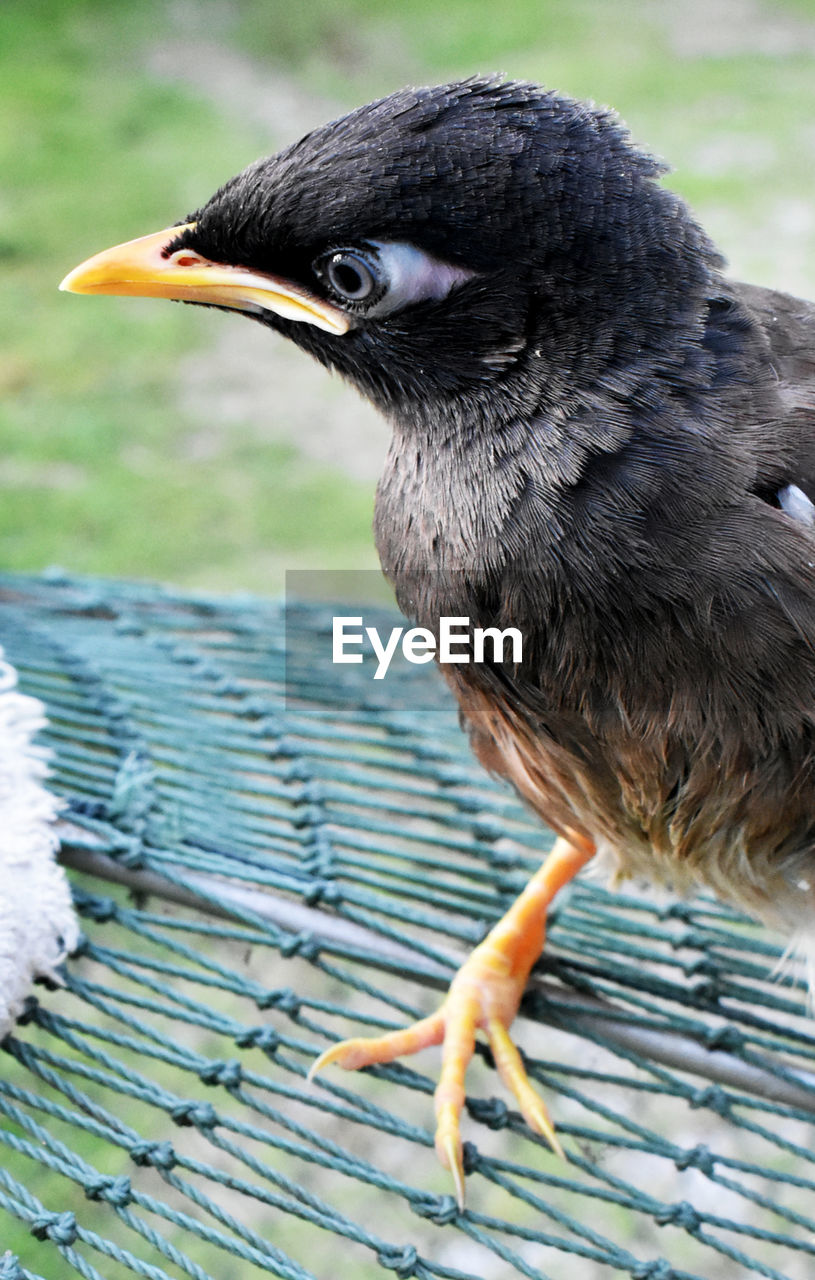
{"points": [[597, 437]]}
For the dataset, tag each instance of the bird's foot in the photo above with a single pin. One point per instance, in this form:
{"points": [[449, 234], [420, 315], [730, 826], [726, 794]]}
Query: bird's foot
{"points": [[484, 996], [479, 999]]}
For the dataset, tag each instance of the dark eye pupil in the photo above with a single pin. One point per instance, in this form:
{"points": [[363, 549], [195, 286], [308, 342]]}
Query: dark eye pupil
{"points": [[351, 277]]}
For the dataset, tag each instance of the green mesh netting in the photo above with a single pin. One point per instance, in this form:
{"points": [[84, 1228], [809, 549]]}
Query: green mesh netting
{"points": [[294, 869]]}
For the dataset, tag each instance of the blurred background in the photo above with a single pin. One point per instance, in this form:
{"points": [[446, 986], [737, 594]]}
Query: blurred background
{"points": [[144, 440], [139, 439]]}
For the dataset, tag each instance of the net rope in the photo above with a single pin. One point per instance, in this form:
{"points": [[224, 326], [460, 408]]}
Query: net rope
{"points": [[268, 853]]}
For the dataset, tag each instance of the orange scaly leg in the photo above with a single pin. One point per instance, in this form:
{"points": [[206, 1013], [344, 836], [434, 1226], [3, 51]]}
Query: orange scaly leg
{"points": [[484, 995]]}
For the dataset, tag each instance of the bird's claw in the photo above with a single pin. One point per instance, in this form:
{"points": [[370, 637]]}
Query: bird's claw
{"points": [[455, 1025], [349, 1054], [511, 1069], [451, 1155]]}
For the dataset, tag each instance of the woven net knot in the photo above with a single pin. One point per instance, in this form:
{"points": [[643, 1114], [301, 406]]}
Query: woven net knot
{"points": [[699, 1157], [493, 1112], [656, 1270], [226, 1073], [265, 1038], [199, 1115], [403, 1261], [679, 1215], [730, 1039], [160, 1155], [323, 892], [300, 944], [59, 1227], [284, 999], [116, 1191], [439, 1209], [712, 1096], [100, 909]]}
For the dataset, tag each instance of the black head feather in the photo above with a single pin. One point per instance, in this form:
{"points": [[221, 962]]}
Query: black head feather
{"points": [[578, 253], [467, 169]]}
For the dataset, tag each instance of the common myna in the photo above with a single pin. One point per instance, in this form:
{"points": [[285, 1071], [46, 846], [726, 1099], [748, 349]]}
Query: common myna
{"points": [[598, 439]]}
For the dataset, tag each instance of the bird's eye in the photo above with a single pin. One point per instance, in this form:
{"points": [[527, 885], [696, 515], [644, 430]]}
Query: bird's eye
{"points": [[354, 277], [383, 276]]}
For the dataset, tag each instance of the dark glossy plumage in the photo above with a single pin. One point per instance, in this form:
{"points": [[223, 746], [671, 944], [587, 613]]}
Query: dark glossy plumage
{"points": [[590, 434], [598, 439]]}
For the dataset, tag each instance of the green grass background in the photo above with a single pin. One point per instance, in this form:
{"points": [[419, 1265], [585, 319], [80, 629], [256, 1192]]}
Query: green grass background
{"points": [[98, 469], [98, 466]]}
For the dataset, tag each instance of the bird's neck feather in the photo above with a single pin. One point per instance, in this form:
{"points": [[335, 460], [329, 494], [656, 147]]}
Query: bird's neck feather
{"points": [[484, 490]]}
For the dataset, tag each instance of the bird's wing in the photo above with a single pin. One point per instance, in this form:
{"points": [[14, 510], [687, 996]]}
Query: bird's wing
{"points": [[788, 326]]}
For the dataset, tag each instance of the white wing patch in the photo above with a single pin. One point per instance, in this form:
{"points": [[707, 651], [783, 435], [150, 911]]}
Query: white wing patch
{"points": [[796, 504]]}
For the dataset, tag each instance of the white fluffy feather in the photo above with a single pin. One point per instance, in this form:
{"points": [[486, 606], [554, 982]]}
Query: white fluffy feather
{"points": [[38, 927]]}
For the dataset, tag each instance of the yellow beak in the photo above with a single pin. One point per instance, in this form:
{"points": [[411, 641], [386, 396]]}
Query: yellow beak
{"points": [[144, 269]]}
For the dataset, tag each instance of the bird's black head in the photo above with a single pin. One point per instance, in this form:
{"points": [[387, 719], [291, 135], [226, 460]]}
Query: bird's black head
{"points": [[449, 243]]}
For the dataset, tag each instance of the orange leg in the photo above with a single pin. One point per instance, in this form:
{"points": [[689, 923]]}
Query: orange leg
{"points": [[484, 995]]}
